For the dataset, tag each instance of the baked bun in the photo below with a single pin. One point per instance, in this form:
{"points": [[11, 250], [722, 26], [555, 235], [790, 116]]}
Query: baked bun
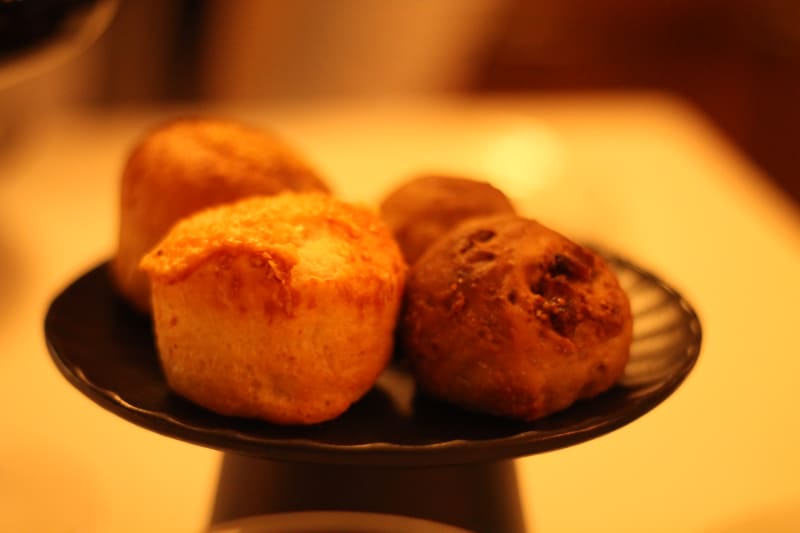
{"points": [[507, 317], [188, 165], [281, 308], [423, 209]]}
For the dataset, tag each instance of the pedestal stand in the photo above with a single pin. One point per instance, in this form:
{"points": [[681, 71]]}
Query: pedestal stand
{"points": [[479, 497]]}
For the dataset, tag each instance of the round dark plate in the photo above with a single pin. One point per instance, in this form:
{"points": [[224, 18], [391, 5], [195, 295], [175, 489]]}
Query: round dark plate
{"points": [[107, 351]]}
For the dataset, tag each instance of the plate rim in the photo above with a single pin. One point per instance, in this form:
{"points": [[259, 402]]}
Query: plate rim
{"points": [[383, 453]]}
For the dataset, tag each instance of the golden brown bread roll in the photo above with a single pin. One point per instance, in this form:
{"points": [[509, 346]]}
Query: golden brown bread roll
{"points": [[187, 165], [505, 316], [426, 207], [281, 308]]}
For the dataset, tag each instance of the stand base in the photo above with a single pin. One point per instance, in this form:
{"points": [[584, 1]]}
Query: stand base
{"points": [[477, 497]]}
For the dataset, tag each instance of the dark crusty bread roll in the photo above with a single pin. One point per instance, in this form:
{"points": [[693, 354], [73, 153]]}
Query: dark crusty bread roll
{"points": [[423, 209], [190, 164], [505, 316], [280, 307]]}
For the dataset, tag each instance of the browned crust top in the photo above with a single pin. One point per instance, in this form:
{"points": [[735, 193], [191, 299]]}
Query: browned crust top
{"points": [[333, 239]]}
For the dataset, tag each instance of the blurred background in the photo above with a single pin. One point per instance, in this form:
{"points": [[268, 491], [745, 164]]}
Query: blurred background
{"points": [[736, 60]]}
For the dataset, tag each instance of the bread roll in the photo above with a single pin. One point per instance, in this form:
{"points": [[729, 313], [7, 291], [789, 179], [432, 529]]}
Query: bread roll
{"points": [[281, 308], [425, 208], [507, 317], [187, 165]]}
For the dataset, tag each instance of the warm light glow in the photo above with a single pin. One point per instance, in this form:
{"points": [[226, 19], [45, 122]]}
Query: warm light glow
{"points": [[522, 159]]}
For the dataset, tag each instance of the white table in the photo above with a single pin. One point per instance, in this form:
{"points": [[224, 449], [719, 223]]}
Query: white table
{"points": [[640, 173]]}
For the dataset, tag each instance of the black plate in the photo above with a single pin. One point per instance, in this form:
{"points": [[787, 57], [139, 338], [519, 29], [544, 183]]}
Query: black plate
{"points": [[107, 351]]}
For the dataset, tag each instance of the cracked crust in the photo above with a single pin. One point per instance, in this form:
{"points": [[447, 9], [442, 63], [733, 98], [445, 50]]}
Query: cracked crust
{"points": [[505, 316], [187, 165], [281, 308]]}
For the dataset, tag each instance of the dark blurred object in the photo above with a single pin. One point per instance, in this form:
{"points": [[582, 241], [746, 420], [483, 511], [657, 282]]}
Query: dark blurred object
{"points": [[272, 50], [151, 52], [737, 60], [26, 23], [37, 34]]}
